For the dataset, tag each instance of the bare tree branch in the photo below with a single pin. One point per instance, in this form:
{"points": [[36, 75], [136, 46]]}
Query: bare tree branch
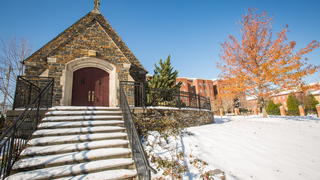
{"points": [[12, 53]]}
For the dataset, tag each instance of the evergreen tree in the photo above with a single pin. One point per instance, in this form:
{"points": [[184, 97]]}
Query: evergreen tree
{"points": [[163, 86], [272, 108], [293, 105], [164, 77], [310, 103]]}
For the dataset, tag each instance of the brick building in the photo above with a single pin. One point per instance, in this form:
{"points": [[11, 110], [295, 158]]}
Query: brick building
{"points": [[314, 89], [211, 88], [203, 87], [87, 61], [281, 97]]}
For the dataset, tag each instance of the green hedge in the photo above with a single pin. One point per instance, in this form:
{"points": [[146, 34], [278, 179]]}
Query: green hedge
{"points": [[272, 108], [293, 105], [310, 104]]}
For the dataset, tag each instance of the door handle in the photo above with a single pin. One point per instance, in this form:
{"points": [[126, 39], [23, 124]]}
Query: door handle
{"points": [[89, 96], [92, 96]]}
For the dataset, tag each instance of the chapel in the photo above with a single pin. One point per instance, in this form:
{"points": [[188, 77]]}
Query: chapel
{"points": [[87, 62]]}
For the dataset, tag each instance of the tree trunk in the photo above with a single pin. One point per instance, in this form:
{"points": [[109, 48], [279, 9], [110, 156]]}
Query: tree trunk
{"points": [[261, 105], [264, 112], [4, 108]]}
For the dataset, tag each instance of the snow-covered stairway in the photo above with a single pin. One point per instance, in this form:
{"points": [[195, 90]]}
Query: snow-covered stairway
{"points": [[77, 143]]}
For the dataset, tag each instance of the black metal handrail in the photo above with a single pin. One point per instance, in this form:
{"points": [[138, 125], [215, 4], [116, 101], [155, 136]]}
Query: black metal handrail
{"points": [[176, 98], [28, 88], [140, 158], [136, 92], [14, 139], [138, 95]]}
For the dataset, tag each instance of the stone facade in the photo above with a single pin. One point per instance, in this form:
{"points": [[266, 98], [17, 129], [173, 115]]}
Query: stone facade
{"points": [[88, 41], [185, 117]]}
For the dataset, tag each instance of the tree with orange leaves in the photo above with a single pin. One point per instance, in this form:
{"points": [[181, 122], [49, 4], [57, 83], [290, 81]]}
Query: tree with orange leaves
{"points": [[259, 64]]}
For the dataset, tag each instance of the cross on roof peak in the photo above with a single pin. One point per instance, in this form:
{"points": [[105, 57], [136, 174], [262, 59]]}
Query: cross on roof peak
{"points": [[96, 8]]}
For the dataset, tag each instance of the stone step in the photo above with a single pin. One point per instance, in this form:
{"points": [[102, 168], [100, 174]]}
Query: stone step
{"points": [[79, 118], [105, 175], [68, 124], [74, 169], [74, 147], [70, 158], [55, 140], [82, 113], [83, 108], [77, 143], [74, 131]]}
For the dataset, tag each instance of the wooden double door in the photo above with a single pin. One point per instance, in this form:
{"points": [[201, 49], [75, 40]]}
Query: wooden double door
{"points": [[90, 87]]}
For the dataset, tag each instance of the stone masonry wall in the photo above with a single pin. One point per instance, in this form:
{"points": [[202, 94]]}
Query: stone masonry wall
{"points": [[186, 117], [87, 34], [94, 38]]}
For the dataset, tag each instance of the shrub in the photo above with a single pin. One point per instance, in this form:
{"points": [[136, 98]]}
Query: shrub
{"points": [[161, 134], [293, 105], [272, 108], [243, 110], [148, 122], [310, 103]]}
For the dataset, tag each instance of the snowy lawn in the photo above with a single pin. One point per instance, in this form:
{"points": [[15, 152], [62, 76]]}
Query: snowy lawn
{"points": [[251, 147]]}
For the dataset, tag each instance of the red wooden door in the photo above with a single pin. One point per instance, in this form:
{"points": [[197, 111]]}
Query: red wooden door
{"points": [[90, 87]]}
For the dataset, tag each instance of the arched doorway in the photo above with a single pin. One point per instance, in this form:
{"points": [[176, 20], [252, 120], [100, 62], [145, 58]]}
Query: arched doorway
{"points": [[90, 87]]}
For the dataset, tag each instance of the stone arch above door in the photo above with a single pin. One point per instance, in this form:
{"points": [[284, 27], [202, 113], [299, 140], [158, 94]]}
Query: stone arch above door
{"points": [[79, 63]]}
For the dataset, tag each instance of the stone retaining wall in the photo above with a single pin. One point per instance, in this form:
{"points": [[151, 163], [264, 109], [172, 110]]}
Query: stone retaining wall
{"points": [[187, 117]]}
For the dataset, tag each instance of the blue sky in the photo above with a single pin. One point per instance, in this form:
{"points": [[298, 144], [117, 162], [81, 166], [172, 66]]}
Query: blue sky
{"points": [[191, 31]]}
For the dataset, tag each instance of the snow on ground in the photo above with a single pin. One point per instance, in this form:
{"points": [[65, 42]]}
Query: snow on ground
{"points": [[252, 147]]}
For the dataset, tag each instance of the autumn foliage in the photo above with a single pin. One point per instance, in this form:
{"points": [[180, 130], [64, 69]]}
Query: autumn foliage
{"points": [[259, 63]]}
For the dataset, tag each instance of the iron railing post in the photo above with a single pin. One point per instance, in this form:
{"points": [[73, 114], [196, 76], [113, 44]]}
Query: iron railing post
{"points": [[51, 96], [29, 94], [15, 95], [9, 163], [142, 94], [199, 102], [38, 109], [179, 100]]}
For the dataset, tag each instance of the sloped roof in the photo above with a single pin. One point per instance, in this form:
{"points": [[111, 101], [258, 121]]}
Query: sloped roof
{"points": [[78, 27]]}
